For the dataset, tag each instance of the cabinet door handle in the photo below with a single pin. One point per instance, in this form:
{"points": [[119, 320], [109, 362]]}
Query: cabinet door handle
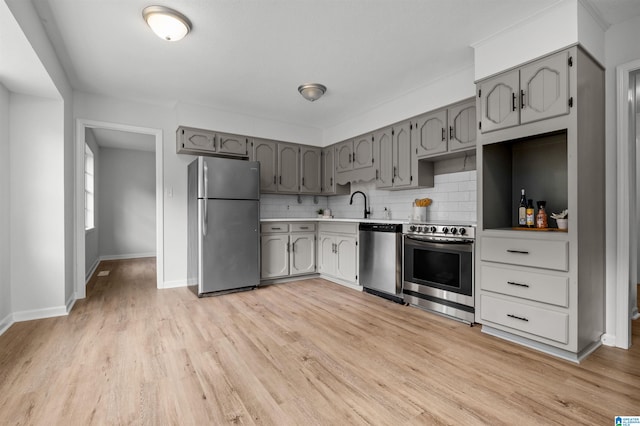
{"points": [[518, 284], [274, 179], [377, 174], [394, 171], [450, 132], [443, 134], [513, 101], [517, 251], [330, 181], [354, 157], [521, 99], [302, 181], [517, 317], [293, 247], [280, 180], [288, 250]]}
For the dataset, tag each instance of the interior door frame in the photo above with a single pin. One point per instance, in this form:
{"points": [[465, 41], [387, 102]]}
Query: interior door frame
{"points": [[625, 209], [79, 231]]}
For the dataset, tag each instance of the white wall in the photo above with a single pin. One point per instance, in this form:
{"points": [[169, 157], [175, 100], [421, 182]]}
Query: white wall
{"points": [[620, 47], [5, 224], [91, 237], [127, 203], [457, 86], [37, 206]]}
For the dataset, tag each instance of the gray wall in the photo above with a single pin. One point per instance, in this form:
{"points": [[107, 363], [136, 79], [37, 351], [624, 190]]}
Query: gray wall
{"points": [[92, 236], [5, 274], [126, 203]]}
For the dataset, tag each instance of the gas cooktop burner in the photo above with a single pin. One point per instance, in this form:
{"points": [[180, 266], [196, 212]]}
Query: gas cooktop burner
{"points": [[443, 232]]}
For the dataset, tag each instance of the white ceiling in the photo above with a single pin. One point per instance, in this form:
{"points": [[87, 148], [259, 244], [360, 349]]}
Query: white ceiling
{"points": [[249, 56], [107, 138]]}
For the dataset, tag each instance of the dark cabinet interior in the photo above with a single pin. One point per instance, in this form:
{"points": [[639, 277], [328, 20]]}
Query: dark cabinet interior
{"points": [[538, 164]]}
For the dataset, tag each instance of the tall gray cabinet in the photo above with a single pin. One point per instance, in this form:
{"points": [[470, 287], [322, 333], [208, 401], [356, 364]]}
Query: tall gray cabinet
{"points": [[541, 128]]}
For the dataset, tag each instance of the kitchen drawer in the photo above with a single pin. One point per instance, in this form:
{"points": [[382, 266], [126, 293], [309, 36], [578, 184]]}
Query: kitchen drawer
{"points": [[339, 228], [546, 288], [529, 319], [527, 252], [274, 227], [303, 227]]}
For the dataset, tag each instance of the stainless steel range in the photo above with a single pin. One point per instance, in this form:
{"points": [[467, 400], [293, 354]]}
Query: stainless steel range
{"points": [[438, 268]]}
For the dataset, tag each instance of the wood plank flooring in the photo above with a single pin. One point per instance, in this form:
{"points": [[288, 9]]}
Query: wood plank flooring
{"points": [[307, 352]]}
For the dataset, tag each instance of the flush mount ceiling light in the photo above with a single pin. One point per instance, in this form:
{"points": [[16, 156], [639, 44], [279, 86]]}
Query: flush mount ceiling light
{"points": [[312, 91], [168, 24]]}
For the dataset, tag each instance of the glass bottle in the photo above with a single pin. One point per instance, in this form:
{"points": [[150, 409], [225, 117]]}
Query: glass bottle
{"points": [[530, 214], [541, 217], [522, 209]]}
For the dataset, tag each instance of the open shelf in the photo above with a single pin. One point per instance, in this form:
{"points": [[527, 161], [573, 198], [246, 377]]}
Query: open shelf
{"points": [[538, 164]]}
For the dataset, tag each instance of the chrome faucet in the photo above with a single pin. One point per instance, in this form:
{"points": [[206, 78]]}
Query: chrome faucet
{"points": [[367, 212]]}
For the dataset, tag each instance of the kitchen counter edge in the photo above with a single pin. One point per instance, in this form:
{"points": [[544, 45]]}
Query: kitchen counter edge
{"points": [[317, 219]]}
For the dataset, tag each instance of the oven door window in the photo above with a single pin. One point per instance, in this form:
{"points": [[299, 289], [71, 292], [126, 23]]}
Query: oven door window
{"points": [[444, 266]]}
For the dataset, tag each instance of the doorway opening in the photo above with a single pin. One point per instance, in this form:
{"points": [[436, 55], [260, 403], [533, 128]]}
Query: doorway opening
{"points": [[109, 133]]}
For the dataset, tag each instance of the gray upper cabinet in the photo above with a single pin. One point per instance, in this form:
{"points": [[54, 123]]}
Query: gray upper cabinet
{"points": [[401, 142], [545, 88], [310, 170], [207, 142], [384, 171], [395, 156], [362, 152], [328, 171], [232, 144], [288, 168], [536, 91], [266, 152], [344, 156], [462, 126], [191, 140], [431, 133]]}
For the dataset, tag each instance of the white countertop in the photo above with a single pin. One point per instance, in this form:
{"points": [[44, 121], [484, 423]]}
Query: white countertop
{"points": [[335, 219]]}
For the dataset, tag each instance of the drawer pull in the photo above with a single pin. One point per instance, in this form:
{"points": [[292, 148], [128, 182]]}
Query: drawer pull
{"points": [[518, 284], [276, 229], [518, 251], [517, 317], [304, 227]]}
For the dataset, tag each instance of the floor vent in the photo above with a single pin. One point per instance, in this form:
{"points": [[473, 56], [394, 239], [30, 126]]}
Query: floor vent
{"points": [[103, 273]]}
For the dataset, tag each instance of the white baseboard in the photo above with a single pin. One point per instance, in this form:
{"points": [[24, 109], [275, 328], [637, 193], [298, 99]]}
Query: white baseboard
{"points": [[91, 271], [127, 256], [174, 284], [57, 311], [5, 323], [608, 339]]}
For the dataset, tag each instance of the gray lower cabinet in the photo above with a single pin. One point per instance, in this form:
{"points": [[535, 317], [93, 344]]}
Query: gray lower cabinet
{"points": [[338, 252], [535, 91], [194, 141], [287, 249], [543, 289]]}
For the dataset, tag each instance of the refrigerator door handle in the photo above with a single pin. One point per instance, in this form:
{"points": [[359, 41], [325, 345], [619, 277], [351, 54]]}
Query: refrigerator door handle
{"points": [[206, 196]]}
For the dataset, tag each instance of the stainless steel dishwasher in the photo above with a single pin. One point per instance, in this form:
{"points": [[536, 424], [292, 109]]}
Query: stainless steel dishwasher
{"points": [[380, 259]]}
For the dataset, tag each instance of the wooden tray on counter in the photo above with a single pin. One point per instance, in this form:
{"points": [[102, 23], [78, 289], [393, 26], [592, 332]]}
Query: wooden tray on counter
{"points": [[523, 228]]}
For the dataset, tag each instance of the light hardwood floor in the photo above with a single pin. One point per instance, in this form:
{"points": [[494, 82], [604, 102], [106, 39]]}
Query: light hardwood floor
{"points": [[307, 352]]}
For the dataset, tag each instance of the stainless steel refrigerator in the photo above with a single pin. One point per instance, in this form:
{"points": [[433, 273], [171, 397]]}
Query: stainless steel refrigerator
{"points": [[223, 225]]}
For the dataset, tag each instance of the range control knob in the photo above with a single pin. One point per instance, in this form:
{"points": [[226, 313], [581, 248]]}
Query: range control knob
{"points": [[423, 229], [445, 230], [433, 229], [412, 228], [463, 231], [454, 231]]}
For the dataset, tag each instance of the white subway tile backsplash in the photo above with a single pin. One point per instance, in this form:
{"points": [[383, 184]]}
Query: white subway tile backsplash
{"points": [[454, 199]]}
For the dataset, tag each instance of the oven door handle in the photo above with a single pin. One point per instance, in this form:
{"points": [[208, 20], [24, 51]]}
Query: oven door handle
{"points": [[462, 245]]}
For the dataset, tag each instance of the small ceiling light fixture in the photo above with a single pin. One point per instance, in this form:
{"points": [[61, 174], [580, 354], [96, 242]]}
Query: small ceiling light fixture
{"points": [[312, 91], [168, 24]]}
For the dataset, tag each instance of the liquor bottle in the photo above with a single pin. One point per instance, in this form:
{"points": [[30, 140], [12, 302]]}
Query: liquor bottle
{"points": [[522, 210], [541, 217], [530, 215]]}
